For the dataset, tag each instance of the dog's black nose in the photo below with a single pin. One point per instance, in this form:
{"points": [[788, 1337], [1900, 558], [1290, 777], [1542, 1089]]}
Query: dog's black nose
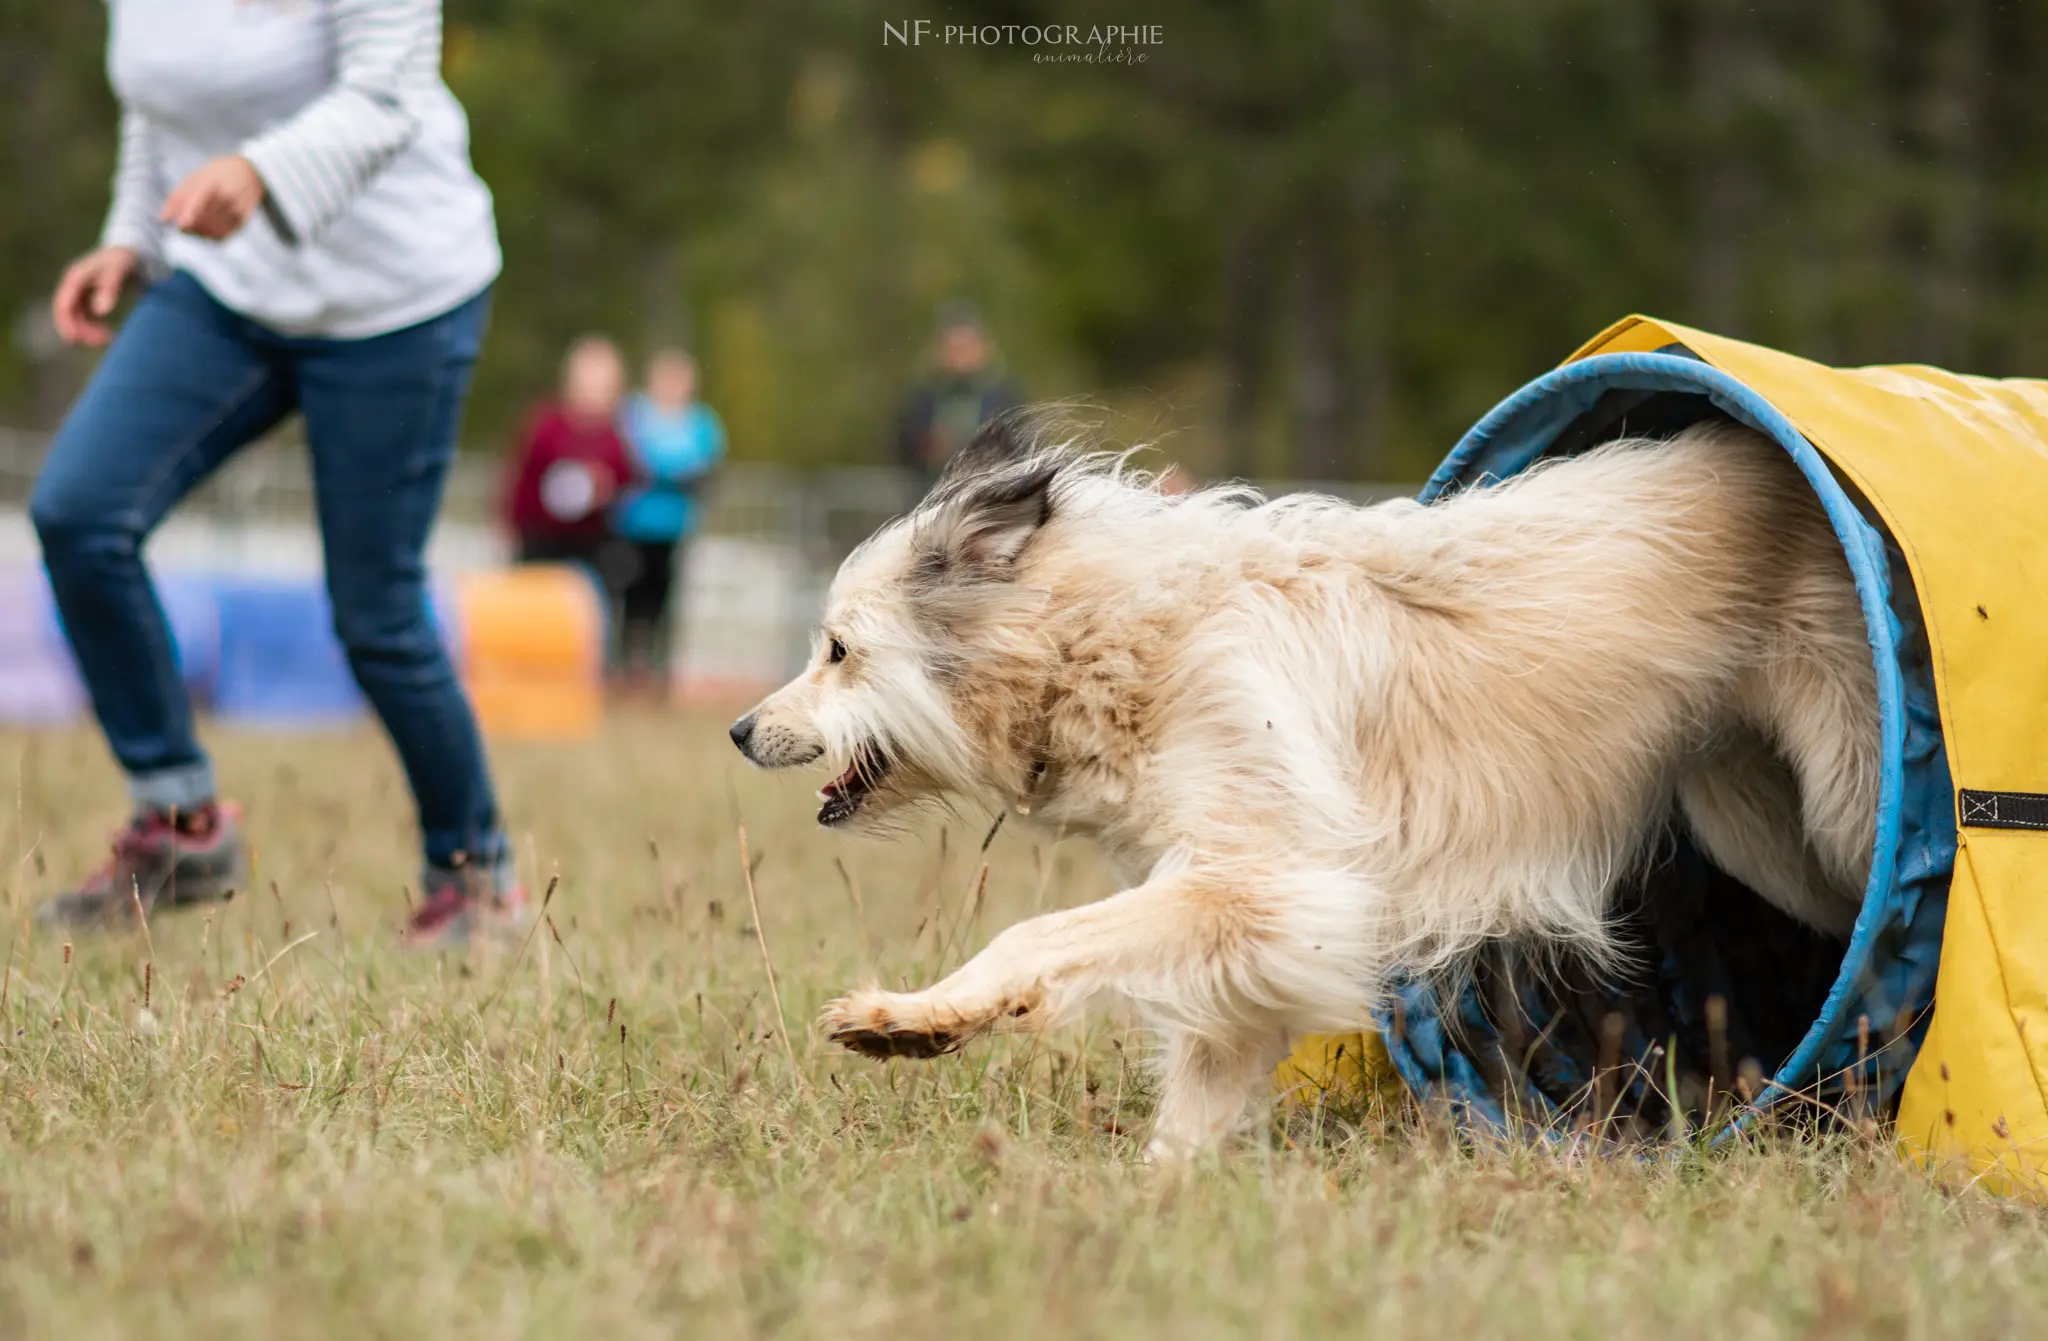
{"points": [[742, 731]]}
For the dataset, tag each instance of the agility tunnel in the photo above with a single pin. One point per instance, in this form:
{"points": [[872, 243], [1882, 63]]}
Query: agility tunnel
{"points": [[533, 650], [1936, 1007], [281, 665], [39, 680], [261, 652]]}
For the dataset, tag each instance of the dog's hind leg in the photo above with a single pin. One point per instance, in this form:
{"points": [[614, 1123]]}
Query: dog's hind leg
{"points": [[1814, 698], [1208, 1083], [1742, 803], [1821, 708]]}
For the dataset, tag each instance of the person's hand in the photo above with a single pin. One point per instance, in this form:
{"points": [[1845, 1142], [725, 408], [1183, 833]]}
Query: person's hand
{"points": [[86, 295], [216, 200]]}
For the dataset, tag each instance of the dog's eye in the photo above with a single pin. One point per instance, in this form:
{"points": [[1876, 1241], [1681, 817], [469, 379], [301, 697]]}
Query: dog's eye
{"points": [[836, 652]]}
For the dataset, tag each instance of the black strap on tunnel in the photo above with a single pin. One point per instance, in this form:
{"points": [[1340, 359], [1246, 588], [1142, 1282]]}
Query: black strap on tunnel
{"points": [[2004, 810]]}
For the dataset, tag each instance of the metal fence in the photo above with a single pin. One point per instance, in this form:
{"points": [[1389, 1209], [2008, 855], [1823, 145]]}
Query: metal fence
{"points": [[753, 584]]}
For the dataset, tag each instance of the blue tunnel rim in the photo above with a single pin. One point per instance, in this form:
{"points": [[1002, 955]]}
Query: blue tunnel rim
{"points": [[1518, 432]]}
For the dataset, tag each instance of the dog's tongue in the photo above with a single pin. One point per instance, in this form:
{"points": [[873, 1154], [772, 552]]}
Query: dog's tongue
{"points": [[840, 783]]}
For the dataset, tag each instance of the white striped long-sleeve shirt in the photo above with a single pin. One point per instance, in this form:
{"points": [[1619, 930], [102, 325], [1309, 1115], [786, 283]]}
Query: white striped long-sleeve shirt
{"points": [[139, 193], [373, 218]]}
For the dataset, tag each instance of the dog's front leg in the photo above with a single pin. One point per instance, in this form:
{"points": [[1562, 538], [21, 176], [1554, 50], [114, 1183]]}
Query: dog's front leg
{"points": [[1184, 946]]}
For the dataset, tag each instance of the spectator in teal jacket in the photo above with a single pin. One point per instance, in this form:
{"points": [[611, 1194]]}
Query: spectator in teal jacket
{"points": [[676, 442]]}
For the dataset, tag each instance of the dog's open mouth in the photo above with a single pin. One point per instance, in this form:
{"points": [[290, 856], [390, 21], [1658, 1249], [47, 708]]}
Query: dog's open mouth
{"points": [[844, 795]]}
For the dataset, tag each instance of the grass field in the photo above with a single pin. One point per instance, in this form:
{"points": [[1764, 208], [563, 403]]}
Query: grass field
{"points": [[273, 1122]]}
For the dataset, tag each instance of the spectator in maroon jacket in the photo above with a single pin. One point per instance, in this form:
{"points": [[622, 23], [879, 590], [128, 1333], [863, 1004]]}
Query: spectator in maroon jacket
{"points": [[572, 463]]}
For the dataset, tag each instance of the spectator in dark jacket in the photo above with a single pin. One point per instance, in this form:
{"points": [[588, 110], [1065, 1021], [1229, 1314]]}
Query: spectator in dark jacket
{"points": [[964, 389]]}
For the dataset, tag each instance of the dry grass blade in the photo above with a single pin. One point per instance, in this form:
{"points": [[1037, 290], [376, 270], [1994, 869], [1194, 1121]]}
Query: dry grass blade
{"points": [[768, 962], [547, 897]]}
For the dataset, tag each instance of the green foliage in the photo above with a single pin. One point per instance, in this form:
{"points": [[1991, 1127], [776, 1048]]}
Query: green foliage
{"points": [[1319, 238]]}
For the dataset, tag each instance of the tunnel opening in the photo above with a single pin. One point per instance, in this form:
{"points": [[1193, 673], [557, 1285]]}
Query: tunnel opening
{"points": [[1727, 1005]]}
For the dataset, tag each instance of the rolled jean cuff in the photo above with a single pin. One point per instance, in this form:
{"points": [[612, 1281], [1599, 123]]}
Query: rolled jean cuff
{"points": [[447, 848], [186, 787]]}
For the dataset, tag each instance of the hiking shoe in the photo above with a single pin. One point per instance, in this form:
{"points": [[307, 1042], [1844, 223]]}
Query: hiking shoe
{"points": [[160, 865], [459, 903]]}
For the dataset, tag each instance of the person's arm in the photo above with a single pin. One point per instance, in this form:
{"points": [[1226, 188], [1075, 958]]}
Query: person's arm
{"points": [[611, 454], [315, 165], [139, 190], [709, 445], [131, 241], [1004, 395], [914, 428], [522, 480], [631, 429]]}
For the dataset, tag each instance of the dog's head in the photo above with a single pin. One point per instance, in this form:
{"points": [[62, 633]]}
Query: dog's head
{"points": [[932, 655]]}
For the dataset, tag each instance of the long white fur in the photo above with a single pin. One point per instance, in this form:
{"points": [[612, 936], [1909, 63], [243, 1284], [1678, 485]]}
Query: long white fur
{"points": [[1329, 742]]}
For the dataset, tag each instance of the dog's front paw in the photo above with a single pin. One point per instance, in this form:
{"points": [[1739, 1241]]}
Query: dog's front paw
{"points": [[888, 1024]]}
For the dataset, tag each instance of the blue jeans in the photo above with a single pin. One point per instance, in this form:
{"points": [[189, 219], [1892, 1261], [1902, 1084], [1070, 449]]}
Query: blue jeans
{"points": [[187, 384]]}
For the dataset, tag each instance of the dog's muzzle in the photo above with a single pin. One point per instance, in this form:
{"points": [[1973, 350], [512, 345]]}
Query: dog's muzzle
{"points": [[772, 746]]}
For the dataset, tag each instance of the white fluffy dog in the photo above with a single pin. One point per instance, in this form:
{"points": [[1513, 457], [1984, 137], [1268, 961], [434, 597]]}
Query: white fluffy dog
{"points": [[1324, 743]]}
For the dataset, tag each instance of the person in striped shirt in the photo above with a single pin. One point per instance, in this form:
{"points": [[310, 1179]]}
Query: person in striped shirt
{"points": [[295, 199]]}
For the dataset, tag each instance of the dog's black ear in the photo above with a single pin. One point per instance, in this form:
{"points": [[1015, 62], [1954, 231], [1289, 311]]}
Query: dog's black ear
{"points": [[1006, 437], [982, 530], [1003, 519]]}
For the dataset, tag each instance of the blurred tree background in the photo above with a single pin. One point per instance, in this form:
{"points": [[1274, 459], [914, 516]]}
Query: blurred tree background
{"points": [[1307, 237]]}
